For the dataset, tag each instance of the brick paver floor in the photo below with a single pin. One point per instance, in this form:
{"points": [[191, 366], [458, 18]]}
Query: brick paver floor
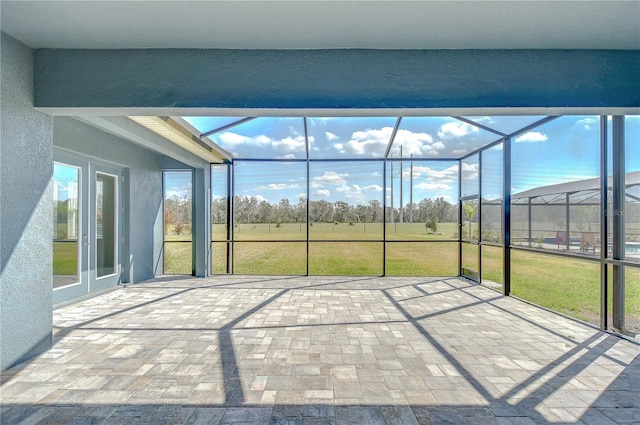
{"points": [[321, 350]]}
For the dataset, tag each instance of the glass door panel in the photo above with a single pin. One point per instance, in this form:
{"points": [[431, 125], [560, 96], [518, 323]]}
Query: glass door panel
{"points": [[66, 195], [470, 225], [104, 249], [69, 219]]}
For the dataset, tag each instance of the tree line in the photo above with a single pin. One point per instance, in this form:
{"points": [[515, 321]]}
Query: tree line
{"points": [[250, 209]]}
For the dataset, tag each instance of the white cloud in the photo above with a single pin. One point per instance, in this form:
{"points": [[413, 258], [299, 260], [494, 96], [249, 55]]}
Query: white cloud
{"points": [[287, 156], [329, 177], [230, 140], [483, 120], [373, 142], [289, 144], [418, 144], [175, 193], [448, 175], [331, 136], [433, 186], [469, 171], [368, 142], [354, 193], [279, 186], [375, 174], [587, 122], [260, 198], [430, 179], [373, 187], [455, 130], [323, 193], [532, 136], [180, 191]]}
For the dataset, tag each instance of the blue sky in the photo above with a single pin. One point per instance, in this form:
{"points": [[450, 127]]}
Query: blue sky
{"points": [[177, 183], [64, 175], [562, 150]]}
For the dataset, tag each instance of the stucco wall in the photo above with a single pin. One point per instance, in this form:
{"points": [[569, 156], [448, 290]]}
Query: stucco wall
{"points": [[26, 253], [142, 192], [343, 78]]}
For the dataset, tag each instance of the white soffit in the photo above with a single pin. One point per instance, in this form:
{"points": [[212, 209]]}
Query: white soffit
{"points": [[173, 132], [313, 24]]}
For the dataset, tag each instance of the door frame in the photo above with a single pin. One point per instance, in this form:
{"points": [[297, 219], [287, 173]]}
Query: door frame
{"points": [[88, 281], [99, 283]]}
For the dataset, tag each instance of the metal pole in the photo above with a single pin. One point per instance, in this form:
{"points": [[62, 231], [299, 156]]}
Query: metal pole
{"points": [[604, 225], [529, 233], [479, 225], [229, 219], [384, 220], [506, 216], [306, 138], [567, 219], [401, 218], [460, 218], [391, 210], [230, 225], [411, 193], [618, 195]]}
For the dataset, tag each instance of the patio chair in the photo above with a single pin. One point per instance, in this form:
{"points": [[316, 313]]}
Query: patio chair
{"points": [[561, 239], [589, 241]]}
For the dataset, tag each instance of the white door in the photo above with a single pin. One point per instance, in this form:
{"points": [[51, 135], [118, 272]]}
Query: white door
{"points": [[87, 229]]}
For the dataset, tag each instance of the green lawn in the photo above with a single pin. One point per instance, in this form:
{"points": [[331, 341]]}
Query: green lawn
{"points": [[333, 231], [177, 255], [567, 285], [65, 258], [492, 263], [422, 259]]}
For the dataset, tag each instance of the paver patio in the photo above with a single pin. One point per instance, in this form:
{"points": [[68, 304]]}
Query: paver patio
{"points": [[321, 350]]}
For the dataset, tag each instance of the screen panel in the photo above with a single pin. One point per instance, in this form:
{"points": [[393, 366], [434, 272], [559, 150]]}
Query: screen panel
{"points": [[422, 259]]}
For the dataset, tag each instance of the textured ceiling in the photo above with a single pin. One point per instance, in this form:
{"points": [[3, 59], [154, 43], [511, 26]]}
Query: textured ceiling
{"points": [[324, 24]]}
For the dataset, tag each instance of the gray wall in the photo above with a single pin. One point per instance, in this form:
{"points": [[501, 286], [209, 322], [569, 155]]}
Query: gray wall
{"points": [[349, 78], [143, 219], [26, 229]]}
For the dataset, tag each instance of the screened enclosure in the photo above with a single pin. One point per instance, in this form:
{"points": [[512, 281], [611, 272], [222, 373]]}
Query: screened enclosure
{"points": [[546, 208]]}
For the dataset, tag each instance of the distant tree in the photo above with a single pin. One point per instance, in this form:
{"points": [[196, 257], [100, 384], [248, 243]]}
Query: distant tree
{"points": [[178, 227], [375, 211], [177, 209], [169, 219], [432, 224], [219, 210], [471, 211]]}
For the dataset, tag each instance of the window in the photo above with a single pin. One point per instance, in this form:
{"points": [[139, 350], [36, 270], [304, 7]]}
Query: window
{"points": [[178, 249]]}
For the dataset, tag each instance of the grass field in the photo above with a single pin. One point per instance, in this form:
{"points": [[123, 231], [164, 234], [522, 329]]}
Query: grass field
{"points": [[570, 286], [333, 231], [65, 258], [177, 254]]}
